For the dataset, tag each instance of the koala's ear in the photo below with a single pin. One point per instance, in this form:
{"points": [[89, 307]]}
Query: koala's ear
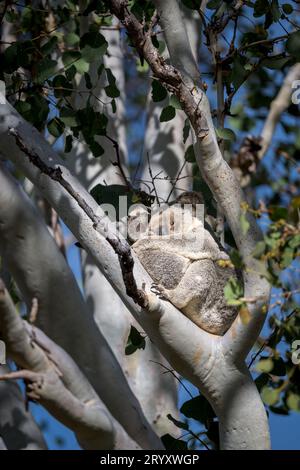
{"points": [[137, 223], [190, 197]]}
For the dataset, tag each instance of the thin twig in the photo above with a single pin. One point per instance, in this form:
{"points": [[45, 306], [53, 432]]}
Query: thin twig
{"points": [[152, 179], [120, 247], [171, 371], [118, 163], [176, 181], [34, 311]]}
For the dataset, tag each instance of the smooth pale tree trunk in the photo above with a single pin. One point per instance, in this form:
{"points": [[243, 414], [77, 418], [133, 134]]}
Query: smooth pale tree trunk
{"points": [[163, 162], [41, 272], [145, 369], [18, 429], [164, 149]]}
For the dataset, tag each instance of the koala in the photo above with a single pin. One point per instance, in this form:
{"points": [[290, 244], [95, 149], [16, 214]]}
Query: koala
{"points": [[182, 258]]}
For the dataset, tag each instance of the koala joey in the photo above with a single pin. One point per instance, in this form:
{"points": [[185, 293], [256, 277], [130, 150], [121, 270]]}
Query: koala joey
{"points": [[182, 258]]}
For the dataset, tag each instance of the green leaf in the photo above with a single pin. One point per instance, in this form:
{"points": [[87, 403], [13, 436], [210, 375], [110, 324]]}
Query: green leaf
{"points": [[278, 213], [293, 401], [111, 90], [142, 66], [39, 110], [261, 381], [113, 105], [294, 242], [279, 410], [158, 93], [287, 257], [292, 45], [110, 195], [49, 46], [226, 134], [82, 66], [279, 368], [179, 424], [190, 154], [233, 291], [174, 101], [62, 87], [213, 4], [199, 409], [239, 72], [269, 395], [135, 341], [253, 36], [68, 144], [186, 130], [11, 16], [55, 127], [94, 5], [45, 69], [261, 7], [155, 41], [265, 365], [244, 224], [142, 9], [276, 63], [170, 443], [70, 72], [287, 8], [24, 108], [28, 17], [11, 58], [72, 39], [93, 45], [167, 114], [68, 117], [88, 81], [236, 258], [96, 149], [70, 57], [259, 249], [192, 4], [93, 123], [275, 11], [100, 69]]}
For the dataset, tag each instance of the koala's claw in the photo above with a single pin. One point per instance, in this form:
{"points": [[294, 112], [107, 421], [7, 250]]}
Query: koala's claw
{"points": [[158, 290], [155, 288]]}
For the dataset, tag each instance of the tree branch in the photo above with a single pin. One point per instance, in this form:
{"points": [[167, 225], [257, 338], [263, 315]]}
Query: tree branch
{"points": [[182, 58], [121, 247], [213, 167], [54, 380], [41, 271], [278, 106], [18, 429], [160, 320]]}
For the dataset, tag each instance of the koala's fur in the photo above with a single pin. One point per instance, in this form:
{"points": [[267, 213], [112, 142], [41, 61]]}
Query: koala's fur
{"points": [[186, 269]]}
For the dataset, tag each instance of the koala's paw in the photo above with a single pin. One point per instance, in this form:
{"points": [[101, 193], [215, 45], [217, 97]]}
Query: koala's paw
{"points": [[159, 290]]}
